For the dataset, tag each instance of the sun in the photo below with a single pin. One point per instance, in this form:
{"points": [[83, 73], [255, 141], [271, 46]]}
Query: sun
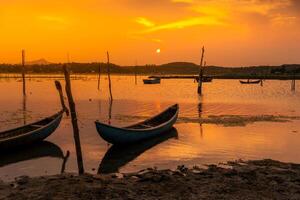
{"points": [[157, 50]]}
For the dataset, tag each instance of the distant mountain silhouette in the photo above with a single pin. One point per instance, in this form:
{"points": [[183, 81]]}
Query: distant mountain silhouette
{"points": [[41, 61], [43, 66]]}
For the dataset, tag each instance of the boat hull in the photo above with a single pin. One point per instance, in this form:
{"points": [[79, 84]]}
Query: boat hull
{"points": [[152, 81], [205, 79], [32, 136], [250, 82], [124, 136]]}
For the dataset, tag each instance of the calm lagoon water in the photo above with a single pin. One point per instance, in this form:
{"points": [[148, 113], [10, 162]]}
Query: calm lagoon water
{"points": [[194, 142]]}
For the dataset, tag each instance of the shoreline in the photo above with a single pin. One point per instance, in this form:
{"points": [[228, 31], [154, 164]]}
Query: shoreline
{"points": [[260, 179]]}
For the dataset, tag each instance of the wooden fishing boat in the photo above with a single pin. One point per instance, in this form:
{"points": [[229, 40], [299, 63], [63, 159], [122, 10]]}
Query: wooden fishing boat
{"points": [[144, 130], [152, 81], [250, 82], [205, 79], [30, 133]]}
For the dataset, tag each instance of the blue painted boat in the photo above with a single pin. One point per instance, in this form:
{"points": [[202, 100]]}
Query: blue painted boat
{"points": [[155, 126], [30, 133]]}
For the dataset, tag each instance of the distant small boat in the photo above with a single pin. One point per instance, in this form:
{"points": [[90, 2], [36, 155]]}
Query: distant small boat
{"points": [[30, 133], [147, 129], [152, 81], [250, 82], [205, 79]]}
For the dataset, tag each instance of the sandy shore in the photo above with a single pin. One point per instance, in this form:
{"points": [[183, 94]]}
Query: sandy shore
{"points": [[264, 179]]}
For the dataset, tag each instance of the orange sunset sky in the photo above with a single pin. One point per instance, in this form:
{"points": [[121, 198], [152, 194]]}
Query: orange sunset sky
{"points": [[234, 32]]}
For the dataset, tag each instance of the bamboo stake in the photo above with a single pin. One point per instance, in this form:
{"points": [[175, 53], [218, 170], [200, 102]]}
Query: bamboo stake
{"points": [[109, 80], [99, 76], [74, 121], [135, 73], [201, 72], [110, 111], [200, 114], [59, 89], [24, 110], [23, 72]]}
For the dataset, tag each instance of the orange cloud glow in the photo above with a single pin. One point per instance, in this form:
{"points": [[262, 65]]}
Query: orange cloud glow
{"points": [[235, 32]]}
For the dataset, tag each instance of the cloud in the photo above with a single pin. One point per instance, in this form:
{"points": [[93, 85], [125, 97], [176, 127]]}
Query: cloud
{"points": [[255, 11], [184, 23], [145, 22]]}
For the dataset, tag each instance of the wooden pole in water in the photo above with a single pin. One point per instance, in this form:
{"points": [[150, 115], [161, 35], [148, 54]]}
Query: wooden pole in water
{"points": [[59, 89], [99, 76], [110, 111], [201, 72], [135, 73], [74, 121], [108, 74], [24, 110], [23, 72]]}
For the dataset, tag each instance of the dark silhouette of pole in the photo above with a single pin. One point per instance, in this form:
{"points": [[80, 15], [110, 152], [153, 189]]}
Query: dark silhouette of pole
{"points": [[110, 111], [200, 114], [74, 120], [135, 73], [108, 74], [24, 110], [201, 73], [23, 72], [59, 89], [99, 76]]}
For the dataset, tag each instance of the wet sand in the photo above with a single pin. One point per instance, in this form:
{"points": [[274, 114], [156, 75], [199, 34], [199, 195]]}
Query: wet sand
{"points": [[263, 179]]}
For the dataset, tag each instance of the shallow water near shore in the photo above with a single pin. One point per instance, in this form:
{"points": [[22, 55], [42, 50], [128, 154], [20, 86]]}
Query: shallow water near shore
{"points": [[230, 121]]}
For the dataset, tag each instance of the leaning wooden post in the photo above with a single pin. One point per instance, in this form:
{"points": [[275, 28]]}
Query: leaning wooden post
{"points": [[74, 121], [99, 76], [23, 72], [201, 73], [108, 74], [59, 89]]}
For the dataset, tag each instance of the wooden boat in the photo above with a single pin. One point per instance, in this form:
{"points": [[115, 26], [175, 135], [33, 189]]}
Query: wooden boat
{"points": [[152, 81], [30, 133], [149, 128], [250, 82], [205, 79]]}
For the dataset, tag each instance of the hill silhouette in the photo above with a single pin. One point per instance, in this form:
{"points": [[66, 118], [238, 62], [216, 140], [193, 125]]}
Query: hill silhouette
{"points": [[185, 68], [41, 61]]}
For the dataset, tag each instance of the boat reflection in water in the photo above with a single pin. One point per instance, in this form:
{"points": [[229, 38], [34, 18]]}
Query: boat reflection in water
{"points": [[118, 156], [39, 150]]}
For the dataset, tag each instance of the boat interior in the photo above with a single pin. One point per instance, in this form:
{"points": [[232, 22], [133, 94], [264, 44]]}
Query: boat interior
{"points": [[156, 120]]}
